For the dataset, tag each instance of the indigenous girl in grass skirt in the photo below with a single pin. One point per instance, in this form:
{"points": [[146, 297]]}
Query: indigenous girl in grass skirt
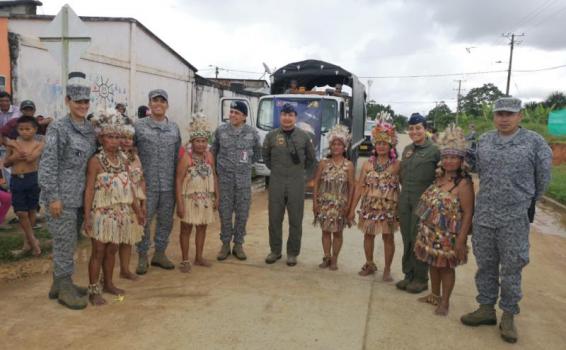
{"points": [[378, 189], [138, 186], [108, 205], [445, 211], [332, 195], [197, 194]]}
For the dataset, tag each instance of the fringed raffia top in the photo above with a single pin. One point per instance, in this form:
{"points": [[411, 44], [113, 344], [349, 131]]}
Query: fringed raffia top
{"points": [[333, 193], [378, 210], [136, 175], [111, 207], [199, 191], [440, 217]]}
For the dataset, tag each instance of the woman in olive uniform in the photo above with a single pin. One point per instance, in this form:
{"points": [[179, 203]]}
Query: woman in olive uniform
{"points": [[418, 164]]}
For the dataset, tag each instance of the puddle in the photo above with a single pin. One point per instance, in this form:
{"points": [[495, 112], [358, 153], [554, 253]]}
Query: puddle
{"points": [[550, 220]]}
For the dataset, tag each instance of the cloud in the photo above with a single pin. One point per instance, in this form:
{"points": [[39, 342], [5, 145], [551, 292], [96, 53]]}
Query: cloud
{"points": [[366, 37]]}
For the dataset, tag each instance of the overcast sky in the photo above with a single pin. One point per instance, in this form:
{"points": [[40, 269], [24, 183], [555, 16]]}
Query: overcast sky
{"points": [[371, 38]]}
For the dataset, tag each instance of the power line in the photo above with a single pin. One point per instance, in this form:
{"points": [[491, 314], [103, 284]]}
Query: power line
{"points": [[440, 75]]}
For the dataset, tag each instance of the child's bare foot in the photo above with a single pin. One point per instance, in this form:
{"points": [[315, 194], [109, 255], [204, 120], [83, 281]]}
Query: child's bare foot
{"points": [[442, 309], [185, 266], [96, 299], [129, 276], [112, 289], [202, 262], [387, 276], [333, 263], [431, 299], [36, 248]]}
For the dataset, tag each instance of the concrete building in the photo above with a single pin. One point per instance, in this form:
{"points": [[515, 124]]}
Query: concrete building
{"points": [[123, 61]]}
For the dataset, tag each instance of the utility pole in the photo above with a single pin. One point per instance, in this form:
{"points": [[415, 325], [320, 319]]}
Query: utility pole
{"points": [[458, 99], [512, 44]]}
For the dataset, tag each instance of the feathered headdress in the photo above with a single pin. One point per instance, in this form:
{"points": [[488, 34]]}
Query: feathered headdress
{"points": [[340, 132], [198, 127], [108, 122], [384, 130], [452, 142]]}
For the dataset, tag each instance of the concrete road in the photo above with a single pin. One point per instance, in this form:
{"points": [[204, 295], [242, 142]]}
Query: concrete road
{"points": [[251, 305]]}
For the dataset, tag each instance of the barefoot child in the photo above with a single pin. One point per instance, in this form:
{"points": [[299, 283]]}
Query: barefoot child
{"points": [[109, 201], [138, 186], [378, 188], [197, 197], [332, 195], [24, 181], [445, 211]]}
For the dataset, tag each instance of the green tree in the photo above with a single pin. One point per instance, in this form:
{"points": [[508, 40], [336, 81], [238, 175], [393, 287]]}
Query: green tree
{"points": [[440, 116], [472, 102], [401, 122], [556, 100], [374, 108]]}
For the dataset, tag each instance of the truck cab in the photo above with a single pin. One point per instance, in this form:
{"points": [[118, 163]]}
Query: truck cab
{"points": [[316, 115], [317, 111]]}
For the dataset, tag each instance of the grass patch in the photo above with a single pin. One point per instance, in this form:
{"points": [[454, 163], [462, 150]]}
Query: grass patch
{"points": [[14, 240], [557, 188]]}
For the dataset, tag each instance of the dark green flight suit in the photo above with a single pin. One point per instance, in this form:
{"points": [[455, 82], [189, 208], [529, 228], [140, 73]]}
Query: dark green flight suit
{"points": [[418, 165], [287, 185]]}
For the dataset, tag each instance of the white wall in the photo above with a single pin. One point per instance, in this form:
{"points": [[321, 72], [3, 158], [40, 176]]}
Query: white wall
{"points": [[123, 63]]}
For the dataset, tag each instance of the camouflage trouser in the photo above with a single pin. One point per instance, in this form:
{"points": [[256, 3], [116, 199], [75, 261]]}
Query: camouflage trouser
{"points": [[161, 204], [64, 230], [501, 253], [234, 199]]}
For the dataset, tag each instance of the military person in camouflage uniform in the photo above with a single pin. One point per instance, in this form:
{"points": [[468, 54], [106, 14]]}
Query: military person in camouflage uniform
{"points": [[514, 170], [69, 143], [287, 152], [418, 164], [158, 140], [236, 147]]}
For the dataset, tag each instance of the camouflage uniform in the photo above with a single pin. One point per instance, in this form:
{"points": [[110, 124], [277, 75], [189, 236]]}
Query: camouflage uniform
{"points": [[287, 185], [235, 151], [62, 176], [158, 146], [512, 174]]}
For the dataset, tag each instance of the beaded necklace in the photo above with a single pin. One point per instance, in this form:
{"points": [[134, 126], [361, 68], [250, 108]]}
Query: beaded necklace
{"points": [[108, 166], [382, 167]]}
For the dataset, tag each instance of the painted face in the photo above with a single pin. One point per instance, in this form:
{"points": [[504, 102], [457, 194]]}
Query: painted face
{"points": [[26, 130], [382, 148], [417, 133], [5, 104], [237, 118], [199, 145], [126, 142], [337, 148], [78, 109], [158, 106], [507, 122], [287, 120], [451, 162], [111, 142]]}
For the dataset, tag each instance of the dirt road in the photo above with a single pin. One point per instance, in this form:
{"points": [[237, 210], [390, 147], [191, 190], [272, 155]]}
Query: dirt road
{"points": [[251, 305]]}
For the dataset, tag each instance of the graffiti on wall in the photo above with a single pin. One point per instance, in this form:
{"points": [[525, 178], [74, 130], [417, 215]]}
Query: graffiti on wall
{"points": [[105, 93]]}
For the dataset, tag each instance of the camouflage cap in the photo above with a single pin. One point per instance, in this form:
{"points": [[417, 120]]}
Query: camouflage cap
{"points": [[78, 88], [158, 93], [507, 104]]}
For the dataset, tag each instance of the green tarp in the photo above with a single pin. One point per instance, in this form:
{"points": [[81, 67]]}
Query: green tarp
{"points": [[557, 122]]}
